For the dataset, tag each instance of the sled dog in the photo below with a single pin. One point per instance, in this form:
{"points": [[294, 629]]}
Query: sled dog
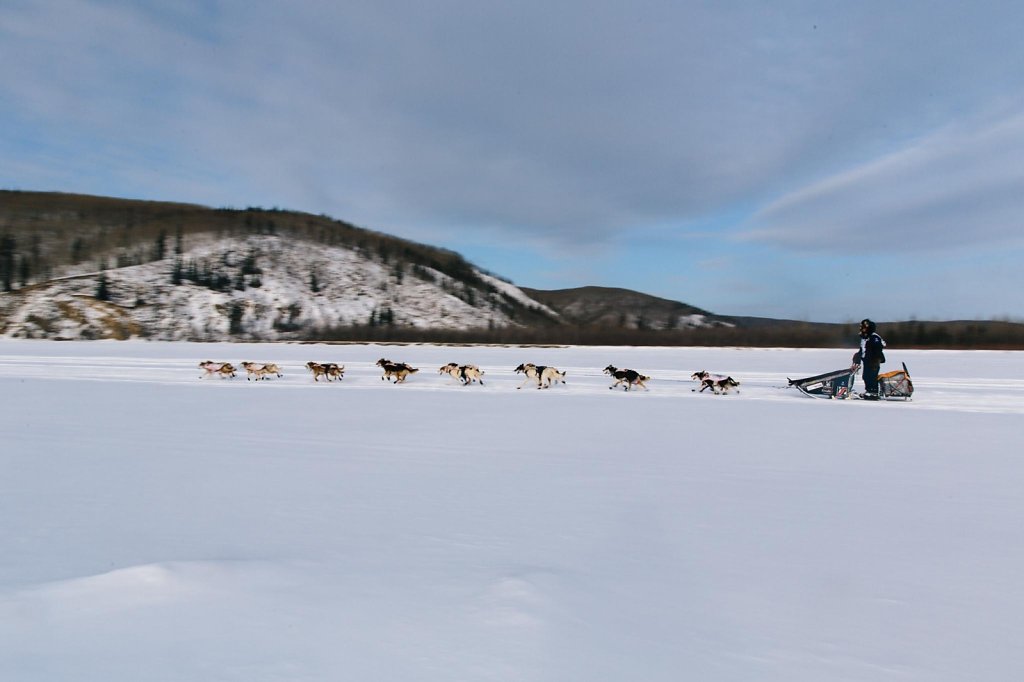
{"points": [[327, 370], [628, 376], [544, 376], [719, 386], [223, 369], [258, 371], [707, 379], [704, 374], [530, 370], [399, 371], [550, 375], [467, 374]]}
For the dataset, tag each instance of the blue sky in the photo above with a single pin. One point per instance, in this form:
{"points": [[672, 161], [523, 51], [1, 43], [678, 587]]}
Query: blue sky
{"points": [[806, 160]]}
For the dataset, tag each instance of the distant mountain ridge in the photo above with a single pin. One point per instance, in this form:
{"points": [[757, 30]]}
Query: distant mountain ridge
{"points": [[624, 308], [84, 267]]}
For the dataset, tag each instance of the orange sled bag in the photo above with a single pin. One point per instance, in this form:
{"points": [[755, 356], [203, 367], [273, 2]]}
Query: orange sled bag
{"points": [[896, 384]]}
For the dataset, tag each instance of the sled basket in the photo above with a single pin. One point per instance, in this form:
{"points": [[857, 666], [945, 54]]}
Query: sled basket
{"points": [[896, 384], [836, 385]]}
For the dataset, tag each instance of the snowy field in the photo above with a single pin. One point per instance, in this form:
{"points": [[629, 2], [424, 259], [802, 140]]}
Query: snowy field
{"points": [[155, 526]]}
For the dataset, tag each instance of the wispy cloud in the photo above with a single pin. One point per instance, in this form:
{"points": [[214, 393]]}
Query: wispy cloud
{"points": [[954, 187], [843, 128]]}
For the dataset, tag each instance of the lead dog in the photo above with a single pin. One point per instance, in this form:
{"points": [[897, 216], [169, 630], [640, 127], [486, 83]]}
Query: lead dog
{"points": [[629, 376]]}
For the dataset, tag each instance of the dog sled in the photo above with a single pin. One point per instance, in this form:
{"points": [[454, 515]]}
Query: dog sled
{"points": [[838, 384]]}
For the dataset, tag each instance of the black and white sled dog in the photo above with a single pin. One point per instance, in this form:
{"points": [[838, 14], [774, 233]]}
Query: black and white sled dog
{"points": [[399, 371], [722, 386], [544, 376], [628, 376], [467, 374], [718, 383]]}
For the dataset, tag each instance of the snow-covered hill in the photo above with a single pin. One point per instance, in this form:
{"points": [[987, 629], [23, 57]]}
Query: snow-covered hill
{"points": [[84, 267], [258, 287]]}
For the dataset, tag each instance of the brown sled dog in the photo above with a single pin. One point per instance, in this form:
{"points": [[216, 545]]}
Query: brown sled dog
{"points": [[222, 369], [399, 371], [327, 370]]}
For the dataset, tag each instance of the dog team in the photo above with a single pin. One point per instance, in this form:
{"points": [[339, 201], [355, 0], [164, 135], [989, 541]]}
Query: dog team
{"points": [[398, 372]]}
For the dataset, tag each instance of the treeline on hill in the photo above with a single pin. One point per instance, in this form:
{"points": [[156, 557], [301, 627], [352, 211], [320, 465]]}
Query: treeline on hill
{"points": [[994, 335], [40, 232]]}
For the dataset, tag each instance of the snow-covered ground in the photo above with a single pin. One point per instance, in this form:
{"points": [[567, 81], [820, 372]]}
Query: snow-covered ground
{"points": [[155, 526]]}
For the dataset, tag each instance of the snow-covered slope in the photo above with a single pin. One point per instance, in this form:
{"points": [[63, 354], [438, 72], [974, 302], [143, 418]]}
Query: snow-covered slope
{"points": [[257, 287]]}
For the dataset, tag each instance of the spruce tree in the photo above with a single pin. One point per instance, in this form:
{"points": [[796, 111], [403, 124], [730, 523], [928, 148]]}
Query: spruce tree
{"points": [[8, 246], [102, 288], [161, 246]]}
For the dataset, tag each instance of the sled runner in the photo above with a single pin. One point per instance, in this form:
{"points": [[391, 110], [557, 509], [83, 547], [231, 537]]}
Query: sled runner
{"points": [[895, 384], [836, 385]]}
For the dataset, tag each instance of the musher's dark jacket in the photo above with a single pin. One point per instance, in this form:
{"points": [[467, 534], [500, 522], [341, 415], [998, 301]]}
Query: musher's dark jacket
{"points": [[871, 352]]}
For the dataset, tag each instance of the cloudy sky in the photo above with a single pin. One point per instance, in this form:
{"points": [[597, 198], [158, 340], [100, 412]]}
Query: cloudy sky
{"points": [[807, 160]]}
